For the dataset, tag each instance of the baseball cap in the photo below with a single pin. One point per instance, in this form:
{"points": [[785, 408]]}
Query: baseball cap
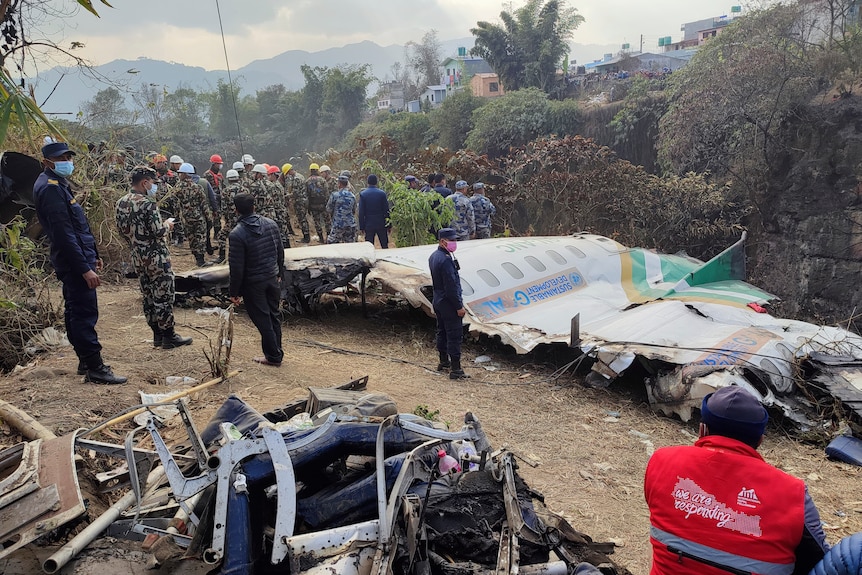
{"points": [[478, 186], [460, 185], [409, 178], [447, 234], [734, 412], [55, 149]]}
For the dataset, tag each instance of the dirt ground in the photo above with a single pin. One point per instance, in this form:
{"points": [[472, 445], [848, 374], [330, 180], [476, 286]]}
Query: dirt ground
{"points": [[589, 447]]}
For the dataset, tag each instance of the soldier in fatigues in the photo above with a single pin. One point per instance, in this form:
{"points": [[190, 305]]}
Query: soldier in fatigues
{"points": [[228, 212], [261, 192], [300, 200], [342, 209], [331, 186], [141, 224], [276, 191], [464, 223], [483, 210], [216, 179], [195, 211], [315, 191]]}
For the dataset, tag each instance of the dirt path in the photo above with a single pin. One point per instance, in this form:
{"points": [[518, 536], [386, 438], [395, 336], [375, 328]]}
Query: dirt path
{"points": [[591, 446]]}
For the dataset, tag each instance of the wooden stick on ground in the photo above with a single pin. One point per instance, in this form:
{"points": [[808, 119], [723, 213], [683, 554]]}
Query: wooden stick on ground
{"points": [[21, 421], [174, 397]]}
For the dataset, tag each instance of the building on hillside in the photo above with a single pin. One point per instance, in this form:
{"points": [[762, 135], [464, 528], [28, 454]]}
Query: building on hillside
{"points": [[486, 85], [414, 106], [457, 71], [647, 62], [391, 96], [831, 19], [434, 95]]}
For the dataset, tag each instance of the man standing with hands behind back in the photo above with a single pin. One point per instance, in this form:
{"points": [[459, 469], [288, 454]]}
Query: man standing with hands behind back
{"points": [[74, 258], [448, 306], [256, 257]]}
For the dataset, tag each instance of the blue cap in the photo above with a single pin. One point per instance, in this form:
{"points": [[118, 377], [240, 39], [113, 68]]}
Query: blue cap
{"points": [[55, 149], [447, 234], [460, 184], [734, 412]]}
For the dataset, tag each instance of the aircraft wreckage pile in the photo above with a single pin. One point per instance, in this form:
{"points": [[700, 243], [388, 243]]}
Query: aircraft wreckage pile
{"points": [[339, 482], [693, 326]]}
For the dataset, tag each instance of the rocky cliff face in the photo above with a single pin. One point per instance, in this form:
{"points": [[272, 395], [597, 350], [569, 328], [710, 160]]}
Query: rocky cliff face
{"points": [[806, 241]]}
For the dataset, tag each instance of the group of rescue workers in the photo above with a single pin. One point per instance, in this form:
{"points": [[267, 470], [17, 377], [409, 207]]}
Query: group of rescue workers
{"points": [[203, 209]]}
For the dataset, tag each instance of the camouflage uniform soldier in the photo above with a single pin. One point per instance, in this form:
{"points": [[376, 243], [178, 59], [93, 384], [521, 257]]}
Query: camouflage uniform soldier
{"points": [[483, 210], [300, 201], [259, 188], [315, 189], [228, 213], [216, 179], [140, 223], [195, 211], [247, 164], [331, 186], [464, 223], [280, 207], [342, 208]]}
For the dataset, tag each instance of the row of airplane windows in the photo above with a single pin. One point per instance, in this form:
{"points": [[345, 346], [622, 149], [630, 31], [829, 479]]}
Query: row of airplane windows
{"points": [[515, 272]]}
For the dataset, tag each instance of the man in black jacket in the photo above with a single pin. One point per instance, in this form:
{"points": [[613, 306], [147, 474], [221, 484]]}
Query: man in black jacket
{"points": [[256, 257]]}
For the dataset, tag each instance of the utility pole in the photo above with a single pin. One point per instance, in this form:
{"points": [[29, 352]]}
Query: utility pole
{"points": [[642, 44]]}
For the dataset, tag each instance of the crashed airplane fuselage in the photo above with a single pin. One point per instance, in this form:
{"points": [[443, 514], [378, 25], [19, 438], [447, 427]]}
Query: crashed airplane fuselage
{"points": [[698, 324]]}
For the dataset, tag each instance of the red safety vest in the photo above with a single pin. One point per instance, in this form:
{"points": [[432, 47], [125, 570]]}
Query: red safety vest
{"points": [[720, 502]]}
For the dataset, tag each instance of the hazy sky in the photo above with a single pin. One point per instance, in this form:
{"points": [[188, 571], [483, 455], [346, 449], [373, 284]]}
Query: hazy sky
{"points": [[187, 31]]}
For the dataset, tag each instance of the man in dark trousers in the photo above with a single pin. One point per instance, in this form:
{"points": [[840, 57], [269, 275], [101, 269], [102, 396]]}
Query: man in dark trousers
{"points": [[718, 507], [448, 306], [256, 257], [75, 259], [374, 213]]}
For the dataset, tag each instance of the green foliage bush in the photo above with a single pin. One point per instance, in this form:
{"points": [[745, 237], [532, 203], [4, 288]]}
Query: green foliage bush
{"points": [[453, 120], [509, 121]]}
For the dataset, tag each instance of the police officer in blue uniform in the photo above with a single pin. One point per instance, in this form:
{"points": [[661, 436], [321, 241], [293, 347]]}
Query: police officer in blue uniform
{"points": [[448, 306], [75, 259]]}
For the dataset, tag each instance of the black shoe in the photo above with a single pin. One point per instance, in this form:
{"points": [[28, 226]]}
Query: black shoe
{"points": [[157, 337], [82, 368], [103, 375], [305, 239], [443, 366], [172, 339], [458, 374], [199, 260], [210, 250]]}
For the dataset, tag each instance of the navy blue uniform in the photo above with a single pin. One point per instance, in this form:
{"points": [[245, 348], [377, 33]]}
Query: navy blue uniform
{"points": [[373, 215], [73, 253], [447, 301]]}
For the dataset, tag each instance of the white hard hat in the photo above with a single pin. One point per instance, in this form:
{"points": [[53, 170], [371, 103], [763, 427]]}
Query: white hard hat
{"points": [[259, 168], [247, 159], [187, 169], [232, 175], [325, 168], [239, 166], [175, 159]]}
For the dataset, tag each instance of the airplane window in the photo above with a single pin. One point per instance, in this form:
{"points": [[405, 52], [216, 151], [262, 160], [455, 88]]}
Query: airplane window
{"points": [[488, 277], [535, 263], [466, 288], [556, 257], [578, 253], [513, 270]]}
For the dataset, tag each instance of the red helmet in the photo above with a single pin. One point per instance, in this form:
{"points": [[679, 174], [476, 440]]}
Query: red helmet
{"points": [[273, 170], [215, 159]]}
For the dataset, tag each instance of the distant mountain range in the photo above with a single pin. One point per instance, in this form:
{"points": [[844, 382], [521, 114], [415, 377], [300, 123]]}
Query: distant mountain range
{"points": [[72, 87]]}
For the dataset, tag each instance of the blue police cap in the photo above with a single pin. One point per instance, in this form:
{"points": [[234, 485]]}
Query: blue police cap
{"points": [[55, 149], [447, 234]]}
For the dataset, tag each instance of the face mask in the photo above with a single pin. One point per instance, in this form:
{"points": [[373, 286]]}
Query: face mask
{"points": [[451, 246], [216, 168], [63, 169], [152, 191]]}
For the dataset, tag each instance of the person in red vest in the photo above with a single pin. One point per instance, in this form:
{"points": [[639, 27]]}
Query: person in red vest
{"points": [[717, 507]]}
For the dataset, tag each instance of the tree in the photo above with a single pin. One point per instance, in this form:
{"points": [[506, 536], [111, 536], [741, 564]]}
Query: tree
{"points": [[150, 100], [508, 121], [527, 48], [106, 110], [453, 120], [343, 102], [184, 112], [424, 59], [728, 104]]}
